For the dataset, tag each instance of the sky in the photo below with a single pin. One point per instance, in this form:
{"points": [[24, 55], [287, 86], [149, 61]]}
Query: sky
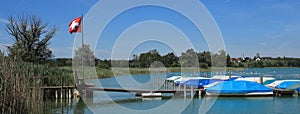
{"points": [[268, 27]]}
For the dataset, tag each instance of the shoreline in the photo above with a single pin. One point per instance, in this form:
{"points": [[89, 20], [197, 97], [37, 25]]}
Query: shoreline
{"points": [[133, 71], [107, 73]]}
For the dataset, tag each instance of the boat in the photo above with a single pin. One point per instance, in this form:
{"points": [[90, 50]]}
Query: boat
{"points": [[225, 77], [173, 78], [238, 88], [285, 84], [151, 94], [199, 83], [265, 79]]}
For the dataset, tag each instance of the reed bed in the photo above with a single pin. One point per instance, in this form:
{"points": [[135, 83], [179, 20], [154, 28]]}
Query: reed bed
{"points": [[19, 87]]}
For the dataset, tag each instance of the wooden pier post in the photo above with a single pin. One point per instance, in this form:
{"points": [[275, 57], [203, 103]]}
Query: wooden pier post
{"points": [[174, 85], [192, 91], [184, 90], [56, 95], [261, 80], [89, 94], [61, 89], [69, 94]]}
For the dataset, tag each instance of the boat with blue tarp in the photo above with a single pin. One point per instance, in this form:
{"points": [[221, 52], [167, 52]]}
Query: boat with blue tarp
{"points": [[286, 84], [239, 88]]}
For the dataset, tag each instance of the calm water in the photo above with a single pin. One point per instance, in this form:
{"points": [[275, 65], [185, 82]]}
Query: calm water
{"points": [[112, 102]]}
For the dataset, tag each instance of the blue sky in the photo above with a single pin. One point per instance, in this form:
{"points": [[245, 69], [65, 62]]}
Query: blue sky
{"points": [[268, 27]]}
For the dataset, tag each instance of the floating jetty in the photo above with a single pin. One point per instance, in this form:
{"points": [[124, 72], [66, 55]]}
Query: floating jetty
{"points": [[171, 85]]}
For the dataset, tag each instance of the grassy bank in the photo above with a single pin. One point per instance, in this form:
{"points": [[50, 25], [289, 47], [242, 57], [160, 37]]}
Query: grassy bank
{"points": [[104, 73]]}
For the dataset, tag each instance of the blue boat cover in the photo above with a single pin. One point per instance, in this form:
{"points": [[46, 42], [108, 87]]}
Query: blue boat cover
{"points": [[288, 85], [199, 83], [298, 89], [237, 87]]}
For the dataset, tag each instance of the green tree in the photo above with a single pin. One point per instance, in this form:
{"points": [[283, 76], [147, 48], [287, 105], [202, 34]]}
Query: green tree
{"points": [[1, 54], [228, 60], [189, 59], [102, 64], [147, 58], [84, 56], [204, 59], [135, 61], [170, 59], [219, 59], [31, 38]]}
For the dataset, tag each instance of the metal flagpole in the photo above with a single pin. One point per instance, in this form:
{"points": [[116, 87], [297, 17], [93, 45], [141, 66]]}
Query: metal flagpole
{"points": [[82, 30], [82, 41]]}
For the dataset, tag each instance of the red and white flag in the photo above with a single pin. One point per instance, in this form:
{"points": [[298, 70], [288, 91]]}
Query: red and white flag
{"points": [[75, 25]]}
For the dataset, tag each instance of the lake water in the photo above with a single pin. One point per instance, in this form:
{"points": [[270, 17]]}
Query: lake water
{"points": [[113, 102]]}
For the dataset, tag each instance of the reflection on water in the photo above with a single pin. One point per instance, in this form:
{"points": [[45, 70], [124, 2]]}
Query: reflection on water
{"points": [[66, 106], [223, 105]]}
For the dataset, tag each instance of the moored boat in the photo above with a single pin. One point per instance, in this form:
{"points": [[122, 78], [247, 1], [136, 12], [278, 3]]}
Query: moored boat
{"points": [[239, 88]]}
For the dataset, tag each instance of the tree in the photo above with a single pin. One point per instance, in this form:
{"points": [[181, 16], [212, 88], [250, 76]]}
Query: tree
{"points": [[219, 60], [31, 37], [204, 59], [189, 58], [147, 58], [228, 60], [1, 54], [135, 61], [170, 59], [84, 56]]}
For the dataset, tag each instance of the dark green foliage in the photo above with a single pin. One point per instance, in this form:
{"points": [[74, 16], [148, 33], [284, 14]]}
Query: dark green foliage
{"points": [[102, 64], [146, 59], [31, 38], [170, 60], [61, 62]]}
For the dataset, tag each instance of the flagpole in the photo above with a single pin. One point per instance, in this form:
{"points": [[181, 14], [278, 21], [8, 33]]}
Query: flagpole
{"points": [[82, 30], [82, 44]]}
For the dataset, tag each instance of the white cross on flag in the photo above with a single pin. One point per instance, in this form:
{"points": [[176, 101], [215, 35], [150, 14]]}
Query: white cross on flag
{"points": [[74, 26]]}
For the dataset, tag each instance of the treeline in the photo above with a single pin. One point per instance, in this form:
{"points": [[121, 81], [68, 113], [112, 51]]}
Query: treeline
{"points": [[272, 62], [189, 58]]}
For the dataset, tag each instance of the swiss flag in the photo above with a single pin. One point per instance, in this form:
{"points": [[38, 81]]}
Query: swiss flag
{"points": [[74, 26]]}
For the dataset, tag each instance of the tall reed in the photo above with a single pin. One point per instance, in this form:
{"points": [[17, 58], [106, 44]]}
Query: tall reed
{"points": [[20, 90]]}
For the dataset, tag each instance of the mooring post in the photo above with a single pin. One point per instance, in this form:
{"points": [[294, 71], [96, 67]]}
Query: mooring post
{"points": [[165, 84], [199, 93], [56, 95], [174, 86], [184, 90], [61, 89], [192, 91], [89, 94], [261, 80], [69, 94]]}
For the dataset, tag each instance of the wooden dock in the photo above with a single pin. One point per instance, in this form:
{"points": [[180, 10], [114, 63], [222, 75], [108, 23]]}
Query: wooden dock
{"points": [[276, 91], [138, 92], [65, 90], [282, 92]]}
